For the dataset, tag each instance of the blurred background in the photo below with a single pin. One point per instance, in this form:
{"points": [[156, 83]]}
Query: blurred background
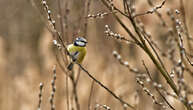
{"points": [[27, 55]]}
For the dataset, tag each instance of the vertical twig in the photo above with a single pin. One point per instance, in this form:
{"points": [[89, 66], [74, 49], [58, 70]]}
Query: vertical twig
{"points": [[61, 18], [40, 96], [53, 89], [90, 96], [87, 9], [67, 94], [74, 84], [185, 25], [78, 76], [66, 20]]}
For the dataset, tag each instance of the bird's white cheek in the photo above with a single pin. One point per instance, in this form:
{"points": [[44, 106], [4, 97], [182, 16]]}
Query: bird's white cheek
{"points": [[81, 43]]}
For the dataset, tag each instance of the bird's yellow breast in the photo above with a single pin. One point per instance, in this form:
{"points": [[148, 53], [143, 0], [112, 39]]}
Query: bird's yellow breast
{"points": [[81, 52]]}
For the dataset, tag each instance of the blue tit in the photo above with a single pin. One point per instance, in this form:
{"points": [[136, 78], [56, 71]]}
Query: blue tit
{"points": [[77, 51]]}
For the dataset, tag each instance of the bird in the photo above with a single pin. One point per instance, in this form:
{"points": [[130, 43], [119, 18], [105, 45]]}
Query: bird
{"points": [[77, 51]]}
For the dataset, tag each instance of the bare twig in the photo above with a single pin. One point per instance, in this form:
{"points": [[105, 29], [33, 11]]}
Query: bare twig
{"points": [[140, 75], [158, 14], [53, 89], [72, 77], [189, 38], [148, 92], [144, 46], [67, 93], [61, 18], [40, 96], [156, 87], [66, 20], [90, 96], [87, 10], [152, 10], [99, 106], [99, 15], [117, 36], [53, 24], [141, 42], [125, 63], [179, 30], [107, 89]]}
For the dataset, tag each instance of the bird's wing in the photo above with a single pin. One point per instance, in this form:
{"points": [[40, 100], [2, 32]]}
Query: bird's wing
{"points": [[75, 56]]}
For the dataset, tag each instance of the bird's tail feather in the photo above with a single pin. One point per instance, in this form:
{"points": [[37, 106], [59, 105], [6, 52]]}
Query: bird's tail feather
{"points": [[70, 66]]}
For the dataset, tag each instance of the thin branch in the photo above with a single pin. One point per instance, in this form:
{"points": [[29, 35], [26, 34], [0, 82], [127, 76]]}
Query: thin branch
{"points": [[185, 25], [152, 10], [148, 92], [67, 93], [158, 14], [117, 36], [99, 15], [53, 23], [90, 96], [124, 26], [156, 87], [40, 96], [126, 64], [154, 50], [66, 20], [150, 54], [53, 89], [72, 77], [107, 89], [78, 76], [66, 81], [99, 106], [61, 18], [87, 9], [144, 46]]}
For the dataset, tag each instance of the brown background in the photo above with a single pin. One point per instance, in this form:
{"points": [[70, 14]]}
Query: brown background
{"points": [[27, 56]]}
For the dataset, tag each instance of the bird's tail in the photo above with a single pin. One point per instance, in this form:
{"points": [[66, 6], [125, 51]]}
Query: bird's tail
{"points": [[70, 66]]}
